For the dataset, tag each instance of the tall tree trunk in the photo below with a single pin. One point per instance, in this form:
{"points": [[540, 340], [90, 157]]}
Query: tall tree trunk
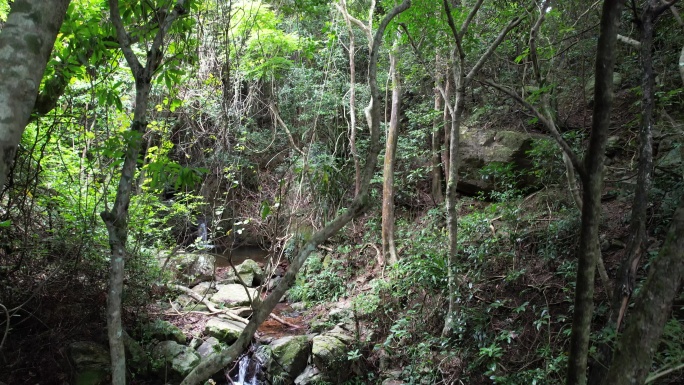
{"points": [[634, 353], [436, 144], [389, 250], [218, 361], [352, 101], [462, 80], [592, 185], [22, 67], [116, 219], [446, 122]]}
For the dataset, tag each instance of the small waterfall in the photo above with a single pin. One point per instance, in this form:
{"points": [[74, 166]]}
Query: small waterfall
{"points": [[247, 371]]}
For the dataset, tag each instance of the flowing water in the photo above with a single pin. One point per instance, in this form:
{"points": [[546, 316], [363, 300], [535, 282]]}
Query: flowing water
{"points": [[247, 371]]}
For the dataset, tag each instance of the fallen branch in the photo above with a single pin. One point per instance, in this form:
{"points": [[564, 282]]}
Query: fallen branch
{"points": [[210, 305]]}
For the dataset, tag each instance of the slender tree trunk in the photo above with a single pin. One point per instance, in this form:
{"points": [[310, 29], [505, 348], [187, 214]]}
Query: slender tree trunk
{"points": [[352, 102], [22, 67], [389, 250], [446, 122], [436, 184], [218, 361], [116, 219], [634, 353], [592, 185]]}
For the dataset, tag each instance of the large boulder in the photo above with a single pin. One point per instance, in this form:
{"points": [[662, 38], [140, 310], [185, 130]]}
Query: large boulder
{"points": [[174, 359], [164, 330], [90, 362], [209, 346], [224, 330], [285, 358], [310, 375], [329, 354], [234, 294], [193, 268], [250, 272], [480, 147]]}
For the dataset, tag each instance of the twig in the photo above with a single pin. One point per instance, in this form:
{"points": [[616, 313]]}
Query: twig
{"points": [[210, 305]]}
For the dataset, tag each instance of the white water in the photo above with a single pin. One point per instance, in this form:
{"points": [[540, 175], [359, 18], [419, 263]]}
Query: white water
{"points": [[243, 370]]}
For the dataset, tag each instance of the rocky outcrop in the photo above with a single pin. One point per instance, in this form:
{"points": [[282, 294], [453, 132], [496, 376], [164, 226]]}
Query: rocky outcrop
{"points": [[329, 354], [233, 295], [285, 358], [174, 359], [481, 147], [164, 330], [90, 362], [224, 330], [192, 268]]}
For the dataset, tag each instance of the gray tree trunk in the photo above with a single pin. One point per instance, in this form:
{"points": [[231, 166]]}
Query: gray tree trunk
{"points": [[592, 185], [26, 41], [116, 219], [436, 184], [389, 249], [634, 353], [218, 361]]}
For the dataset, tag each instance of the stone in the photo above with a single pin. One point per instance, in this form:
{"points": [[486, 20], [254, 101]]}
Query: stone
{"points": [[233, 295], [209, 346], [90, 362], [193, 268], [136, 357], [174, 359], [165, 330], [329, 354], [289, 356], [481, 147], [205, 288], [224, 330], [250, 271], [342, 315], [310, 375]]}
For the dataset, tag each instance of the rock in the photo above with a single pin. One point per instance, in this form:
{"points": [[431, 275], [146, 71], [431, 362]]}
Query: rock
{"points": [[310, 375], [165, 330], [250, 272], [174, 359], [285, 358], [233, 294], [224, 330], [483, 147], [205, 288], [193, 268], [90, 362], [209, 346], [136, 357], [195, 343], [342, 315], [329, 354]]}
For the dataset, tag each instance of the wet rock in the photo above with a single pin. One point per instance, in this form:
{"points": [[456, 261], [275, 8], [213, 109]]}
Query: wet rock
{"points": [[165, 330], [90, 362], [233, 295], [310, 375], [174, 359], [285, 358], [224, 330]]}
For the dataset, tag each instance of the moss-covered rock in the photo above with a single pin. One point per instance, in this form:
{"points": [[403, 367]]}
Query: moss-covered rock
{"points": [[90, 362], [226, 331], [174, 359], [164, 330], [285, 358]]}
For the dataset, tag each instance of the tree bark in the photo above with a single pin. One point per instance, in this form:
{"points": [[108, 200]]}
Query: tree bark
{"points": [[436, 144], [389, 250], [462, 80], [634, 353], [592, 184], [216, 362], [26, 41], [352, 101], [116, 219]]}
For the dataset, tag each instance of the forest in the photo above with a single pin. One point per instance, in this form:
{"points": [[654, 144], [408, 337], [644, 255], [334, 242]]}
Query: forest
{"points": [[347, 192]]}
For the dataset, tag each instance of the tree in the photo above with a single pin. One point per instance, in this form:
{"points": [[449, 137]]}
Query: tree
{"points": [[26, 41], [116, 218], [592, 185], [389, 250], [632, 360], [360, 203], [462, 80]]}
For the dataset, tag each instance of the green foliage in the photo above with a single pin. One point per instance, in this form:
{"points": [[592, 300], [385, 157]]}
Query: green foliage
{"points": [[505, 178], [318, 283]]}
